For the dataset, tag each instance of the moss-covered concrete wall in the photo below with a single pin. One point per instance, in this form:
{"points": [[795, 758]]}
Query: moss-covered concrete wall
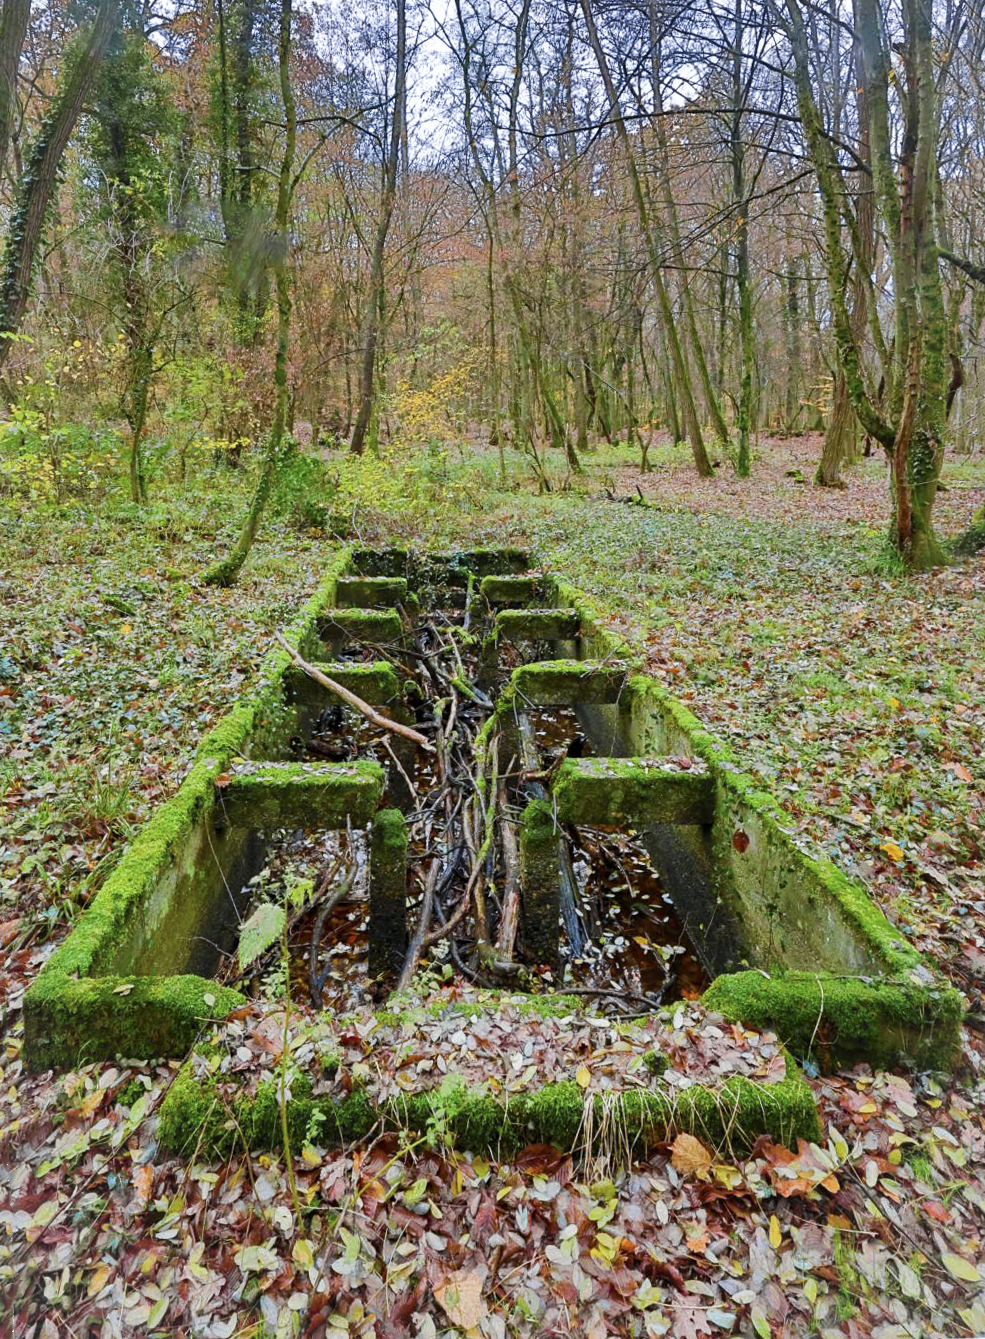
{"points": [[743, 885], [96, 997]]}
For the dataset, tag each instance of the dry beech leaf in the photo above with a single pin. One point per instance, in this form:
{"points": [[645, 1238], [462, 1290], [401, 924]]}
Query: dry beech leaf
{"points": [[461, 1297], [143, 1179], [690, 1157]]}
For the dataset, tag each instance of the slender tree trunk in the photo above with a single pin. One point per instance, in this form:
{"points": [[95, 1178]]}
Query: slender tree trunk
{"points": [[791, 322], [374, 304], [702, 460], [226, 572], [747, 354], [41, 172], [713, 405], [14, 18]]}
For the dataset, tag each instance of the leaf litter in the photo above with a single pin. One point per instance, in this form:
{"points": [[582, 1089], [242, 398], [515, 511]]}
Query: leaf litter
{"points": [[858, 700]]}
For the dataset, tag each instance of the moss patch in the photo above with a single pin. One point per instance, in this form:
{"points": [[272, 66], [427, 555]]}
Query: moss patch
{"points": [[618, 791], [360, 625], [512, 590], [195, 1117], [537, 625], [370, 592], [68, 1022], [302, 795], [841, 1021], [568, 683]]}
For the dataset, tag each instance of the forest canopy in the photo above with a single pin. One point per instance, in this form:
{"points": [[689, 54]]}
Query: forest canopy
{"points": [[241, 229]]}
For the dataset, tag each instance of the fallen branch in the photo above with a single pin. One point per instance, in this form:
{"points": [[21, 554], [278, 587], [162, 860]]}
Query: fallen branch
{"points": [[417, 943], [316, 979], [374, 717]]}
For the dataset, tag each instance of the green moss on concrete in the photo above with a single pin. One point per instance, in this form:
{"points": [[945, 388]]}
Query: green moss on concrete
{"points": [[842, 1021], [635, 791], [537, 625], [370, 592], [77, 1007], [512, 590], [655, 1063], [303, 795], [376, 626], [481, 563], [196, 1117], [732, 1116], [94, 943], [392, 562], [375, 683], [568, 683], [598, 641], [68, 1022]]}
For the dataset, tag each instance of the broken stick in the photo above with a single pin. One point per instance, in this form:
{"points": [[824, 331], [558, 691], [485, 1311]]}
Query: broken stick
{"points": [[384, 722]]}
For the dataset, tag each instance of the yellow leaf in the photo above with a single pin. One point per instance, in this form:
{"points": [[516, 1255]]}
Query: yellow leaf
{"points": [[126, 627], [961, 1268], [98, 1280], [689, 1155], [892, 850], [583, 1075], [810, 1290], [302, 1253], [775, 1234]]}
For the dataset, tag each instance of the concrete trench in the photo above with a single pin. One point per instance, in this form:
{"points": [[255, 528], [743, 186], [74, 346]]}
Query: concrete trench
{"points": [[790, 942], [594, 916]]}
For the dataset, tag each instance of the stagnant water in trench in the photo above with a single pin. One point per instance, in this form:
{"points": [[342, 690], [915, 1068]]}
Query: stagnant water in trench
{"points": [[620, 938]]}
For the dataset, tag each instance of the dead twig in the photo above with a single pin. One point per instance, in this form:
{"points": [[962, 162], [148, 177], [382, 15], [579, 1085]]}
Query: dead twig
{"points": [[373, 716], [316, 979]]}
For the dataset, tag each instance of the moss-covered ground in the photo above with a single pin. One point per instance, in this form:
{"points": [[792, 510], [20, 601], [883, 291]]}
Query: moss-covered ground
{"points": [[855, 696]]}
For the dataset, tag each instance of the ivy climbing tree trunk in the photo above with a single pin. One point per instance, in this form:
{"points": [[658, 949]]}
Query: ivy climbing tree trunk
{"points": [[226, 572], [40, 177]]}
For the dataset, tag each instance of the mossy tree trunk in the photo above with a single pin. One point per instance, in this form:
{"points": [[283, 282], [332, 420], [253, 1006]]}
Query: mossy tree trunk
{"points": [[37, 185], [226, 572], [911, 426]]}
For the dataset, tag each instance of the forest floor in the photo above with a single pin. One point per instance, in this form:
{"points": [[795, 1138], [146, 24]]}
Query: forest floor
{"points": [[856, 695]]}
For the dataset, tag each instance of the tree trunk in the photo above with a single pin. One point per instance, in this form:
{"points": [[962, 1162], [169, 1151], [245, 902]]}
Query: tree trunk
{"points": [[41, 172], [839, 436], [14, 18], [226, 572], [746, 350], [702, 460], [374, 303]]}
